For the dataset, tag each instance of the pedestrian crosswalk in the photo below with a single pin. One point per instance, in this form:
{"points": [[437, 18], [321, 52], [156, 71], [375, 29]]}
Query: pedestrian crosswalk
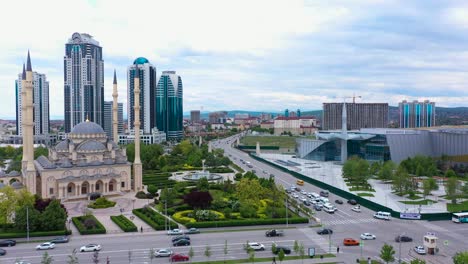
{"points": [[321, 241], [350, 221]]}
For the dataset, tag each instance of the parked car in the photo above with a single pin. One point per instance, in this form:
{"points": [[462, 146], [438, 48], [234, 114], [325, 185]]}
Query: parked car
{"points": [[294, 195], [7, 243], [303, 192], [367, 236], [256, 246], [163, 253], [306, 203], [318, 207], [352, 202], [325, 231], [272, 175], [303, 199], [338, 201], [420, 250], [174, 232], [350, 242], [403, 238], [324, 193], [2, 252], [288, 191], [90, 247], [22, 262], [356, 209], [181, 242], [63, 239], [181, 237], [46, 245], [285, 249], [179, 257], [192, 230], [274, 232]]}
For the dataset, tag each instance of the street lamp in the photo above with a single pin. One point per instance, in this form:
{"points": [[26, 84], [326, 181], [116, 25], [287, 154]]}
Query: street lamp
{"points": [[399, 248], [133, 204]]}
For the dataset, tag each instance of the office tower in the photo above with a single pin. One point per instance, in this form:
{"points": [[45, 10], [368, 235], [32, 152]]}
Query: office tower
{"points": [[108, 118], [169, 112], [120, 124], [195, 116], [217, 117], [41, 115], [417, 114], [286, 113], [84, 81], [298, 112], [147, 82], [359, 115]]}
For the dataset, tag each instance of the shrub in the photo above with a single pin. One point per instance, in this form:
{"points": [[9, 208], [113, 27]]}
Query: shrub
{"points": [[21, 234], [101, 202], [247, 222], [153, 218], [124, 223], [140, 195], [152, 189], [88, 224], [181, 217]]}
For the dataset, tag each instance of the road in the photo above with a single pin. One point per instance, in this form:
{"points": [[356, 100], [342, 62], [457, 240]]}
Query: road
{"points": [[348, 224]]}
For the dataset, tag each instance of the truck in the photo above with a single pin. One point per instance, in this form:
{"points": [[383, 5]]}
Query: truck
{"points": [[274, 232]]}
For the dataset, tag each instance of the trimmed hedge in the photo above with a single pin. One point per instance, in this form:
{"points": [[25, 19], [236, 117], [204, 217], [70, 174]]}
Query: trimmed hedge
{"points": [[101, 203], [124, 223], [153, 218], [79, 223], [34, 234], [248, 222]]}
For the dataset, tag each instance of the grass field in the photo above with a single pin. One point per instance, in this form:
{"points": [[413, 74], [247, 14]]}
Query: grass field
{"points": [[463, 206], [280, 141], [423, 202]]}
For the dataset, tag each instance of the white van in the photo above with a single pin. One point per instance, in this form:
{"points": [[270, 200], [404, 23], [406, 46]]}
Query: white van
{"points": [[382, 215], [329, 208]]}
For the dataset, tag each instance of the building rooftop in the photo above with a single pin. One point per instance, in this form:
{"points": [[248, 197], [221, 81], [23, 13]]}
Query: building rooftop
{"points": [[87, 127], [140, 60]]}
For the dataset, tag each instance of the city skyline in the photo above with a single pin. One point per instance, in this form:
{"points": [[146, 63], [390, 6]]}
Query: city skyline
{"points": [[386, 52]]}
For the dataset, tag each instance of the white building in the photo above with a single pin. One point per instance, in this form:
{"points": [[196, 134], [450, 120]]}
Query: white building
{"points": [[295, 125], [156, 137]]}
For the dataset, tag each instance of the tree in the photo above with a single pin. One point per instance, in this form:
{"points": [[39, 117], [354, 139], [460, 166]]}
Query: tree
{"points": [[249, 191], [7, 204], [451, 189], [296, 247], [251, 255], [152, 253], [225, 250], [72, 259], [450, 173], [191, 253], [21, 218], [387, 253], [273, 248], [152, 189], [417, 261], [46, 259], [203, 185], [401, 181], [429, 185], [54, 217], [302, 251], [386, 172], [198, 199], [460, 258], [281, 255], [207, 252], [168, 195]]}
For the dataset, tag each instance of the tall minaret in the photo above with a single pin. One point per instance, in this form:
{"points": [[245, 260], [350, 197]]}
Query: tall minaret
{"points": [[28, 133], [24, 112], [344, 133], [115, 119], [137, 166]]}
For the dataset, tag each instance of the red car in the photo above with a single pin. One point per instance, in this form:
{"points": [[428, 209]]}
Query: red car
{"points": [[350, 242], [179, 257]]}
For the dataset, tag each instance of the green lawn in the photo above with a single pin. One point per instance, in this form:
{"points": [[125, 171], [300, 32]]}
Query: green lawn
{"points": [[279, 141], [463, 206], [365, 194], [357, 189], [423, 202], [246, 260]]}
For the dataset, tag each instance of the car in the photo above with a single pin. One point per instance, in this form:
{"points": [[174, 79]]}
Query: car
{"points": [[420, 250], [163, 252], [90, 247], [303, 192], [352, 202], [356, 209], [179, 257], [294, 195], [175, 232], [274, 232], [306, 203], [288, 191], [46, 245], [350, 242], [303, 199], [256, 246], [2, 252], [181, 242], [324, 193], [367, 236], [22, 262], [63, 239], [325, 231], [285, 249], [7, 243], [265, 172], [318, 207], [192, 230], [181, 237], [338, 201], [272, 175], [403, 238]]}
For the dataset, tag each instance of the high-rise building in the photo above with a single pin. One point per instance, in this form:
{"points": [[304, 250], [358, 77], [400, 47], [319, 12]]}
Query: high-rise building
{"points": [[41, 115], [120, 125], [359, 115], [148, 79], [108, 119], [84, 81], [169, 111], [417, 114], [218, 117], [195, 116]]}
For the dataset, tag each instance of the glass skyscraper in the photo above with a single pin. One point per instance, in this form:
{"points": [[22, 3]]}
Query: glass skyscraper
{"points": [[169, 111], [84, 81], [417, 114]]}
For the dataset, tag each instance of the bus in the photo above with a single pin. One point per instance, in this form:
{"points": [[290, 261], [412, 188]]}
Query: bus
{"points": [[300, 182], [460, 217]]}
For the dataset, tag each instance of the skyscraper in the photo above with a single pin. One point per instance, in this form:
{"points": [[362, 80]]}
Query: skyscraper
{"points": [[148, 79], [84, 81], [417, 114], [169, 112], [41, 116], [195, 116], [108, 119], [359, 115]]}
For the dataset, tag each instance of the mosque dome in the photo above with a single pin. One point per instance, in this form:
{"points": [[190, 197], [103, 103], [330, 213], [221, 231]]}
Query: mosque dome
{"points": [[91, 145], [87, 127], [62, 146], [140, 60], [17, 185]]}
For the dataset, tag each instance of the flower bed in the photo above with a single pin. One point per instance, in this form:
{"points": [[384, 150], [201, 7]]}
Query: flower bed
{"points": [[101, 202], [153, 218], [124, 223], [88, 225], [247, 222], [191, 216]]}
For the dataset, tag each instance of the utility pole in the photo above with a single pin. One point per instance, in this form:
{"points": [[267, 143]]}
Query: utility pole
{"points": [[329, 241], [27, 222], [287, 224]]}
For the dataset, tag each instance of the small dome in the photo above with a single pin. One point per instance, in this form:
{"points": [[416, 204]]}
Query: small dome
{"points": [[63, 145], [17, 185], [87, 127], [91, 145], [140, 60], [14, 173]]}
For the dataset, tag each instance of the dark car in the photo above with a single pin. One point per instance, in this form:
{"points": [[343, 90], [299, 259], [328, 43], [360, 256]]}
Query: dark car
{"points": [[286, 250], [324, 193], [181, 237], [307, 203], [325, 231], [352, 202], [7, 243], [63, 239], [403, 239], [339, 201], [2, 252], [181, 242]]}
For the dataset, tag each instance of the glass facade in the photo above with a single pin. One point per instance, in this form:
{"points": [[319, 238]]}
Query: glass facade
{"points": [[169, 108]]}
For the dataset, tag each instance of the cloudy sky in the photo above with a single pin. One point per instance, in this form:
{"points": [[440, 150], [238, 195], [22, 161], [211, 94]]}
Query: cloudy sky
{"points": [[254, 54]]}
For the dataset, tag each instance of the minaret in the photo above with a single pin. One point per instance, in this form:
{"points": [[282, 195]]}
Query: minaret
{"points": [[28, 133], [24, 112], [344, 133], [115, 119], [137, 166]]}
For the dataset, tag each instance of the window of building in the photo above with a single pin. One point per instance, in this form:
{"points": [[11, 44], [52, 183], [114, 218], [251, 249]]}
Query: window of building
{"points": [[69, 189], [122, 184], [51, 190]]}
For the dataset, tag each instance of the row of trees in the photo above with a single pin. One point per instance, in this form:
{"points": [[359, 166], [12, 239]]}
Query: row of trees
{"points": [[387, 254], [16, 155]]}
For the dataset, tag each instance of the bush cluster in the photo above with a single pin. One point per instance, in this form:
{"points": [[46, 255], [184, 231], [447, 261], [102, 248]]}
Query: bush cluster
{"points": [[88, 225], [153, 218], [247, 222], [124, 223], [34, 234], [101, 202]]}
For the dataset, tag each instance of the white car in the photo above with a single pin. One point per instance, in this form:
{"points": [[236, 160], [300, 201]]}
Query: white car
{"points": [[174, 232], [256, 246], [90, 247], [294, 195], [356, 209], [303, 192], [420, 250], [303, 199], [367, 236], [46, 245], [163, 253]]}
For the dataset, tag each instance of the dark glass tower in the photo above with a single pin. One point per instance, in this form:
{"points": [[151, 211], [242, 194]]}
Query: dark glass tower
{"points": [[84, 81], [169, 111]]}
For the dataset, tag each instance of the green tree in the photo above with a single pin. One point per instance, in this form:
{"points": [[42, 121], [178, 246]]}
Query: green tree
{"points": [[168, 195], [40, 151], [401, 181], [207, 252], [450, 173], [281, 255], [21, 218], [249, 191], [387, 253], [386, 172], [73, 259], [152, 255], [46, 259], [54, 217], [8, 204], [273, 248], [460, 258], [417, 261], [429, 184], [191, 253], [203, 185], [296, 247], [225, 250], [152, 189], [302, 252], [451, 189]]}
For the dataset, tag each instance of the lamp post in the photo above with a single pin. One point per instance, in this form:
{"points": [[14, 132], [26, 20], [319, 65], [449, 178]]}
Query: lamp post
{"points": [[133, 204], [399, 249], [287, 223], [27, 222]]}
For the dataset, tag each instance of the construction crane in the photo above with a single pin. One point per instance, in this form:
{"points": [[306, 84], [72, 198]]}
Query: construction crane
{"points": [[354, 97]]}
